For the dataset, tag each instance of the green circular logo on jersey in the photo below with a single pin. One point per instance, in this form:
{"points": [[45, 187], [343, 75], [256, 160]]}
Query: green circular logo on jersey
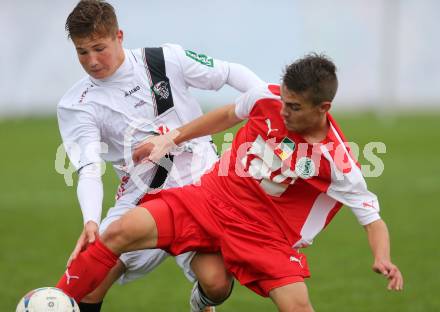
{"points": [[305, 168]]}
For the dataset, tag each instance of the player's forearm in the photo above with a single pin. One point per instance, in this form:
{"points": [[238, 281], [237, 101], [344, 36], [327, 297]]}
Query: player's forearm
{"points": [[90, 192], [213, 122], [242, 78], [379, 240]]}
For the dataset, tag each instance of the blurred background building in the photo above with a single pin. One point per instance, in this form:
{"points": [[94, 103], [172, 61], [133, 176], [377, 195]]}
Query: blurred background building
{"points": [[386, 50]]}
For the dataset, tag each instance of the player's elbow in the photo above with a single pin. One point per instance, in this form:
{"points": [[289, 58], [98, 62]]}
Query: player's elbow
{"points": [[232, 116]]}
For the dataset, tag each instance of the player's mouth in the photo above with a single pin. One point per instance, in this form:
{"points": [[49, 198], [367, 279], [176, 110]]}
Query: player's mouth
{"points": [[98, 73], [287, 124], [95, 71]]}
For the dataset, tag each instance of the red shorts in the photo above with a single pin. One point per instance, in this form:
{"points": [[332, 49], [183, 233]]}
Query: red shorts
{"points": [[259, 257]]}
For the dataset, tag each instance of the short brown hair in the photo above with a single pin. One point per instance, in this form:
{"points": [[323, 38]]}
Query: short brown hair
{"points": [[90, 18], [313, 76]]}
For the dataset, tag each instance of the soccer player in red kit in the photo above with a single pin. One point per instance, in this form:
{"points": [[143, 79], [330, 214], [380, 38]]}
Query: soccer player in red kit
{"points": [[288, 173]]}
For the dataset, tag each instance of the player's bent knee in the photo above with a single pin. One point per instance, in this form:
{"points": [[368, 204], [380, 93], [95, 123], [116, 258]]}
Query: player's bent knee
{"points": [[217, 285], [212, 275], [118, 235], [114, 236], [217, 292], [135, 230]]}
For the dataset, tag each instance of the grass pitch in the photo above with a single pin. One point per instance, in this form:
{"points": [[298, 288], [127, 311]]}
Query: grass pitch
{"points": [[41, 220]]}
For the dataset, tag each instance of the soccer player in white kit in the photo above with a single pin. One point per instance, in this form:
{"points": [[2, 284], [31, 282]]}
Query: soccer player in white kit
{"points": [[127, 96]]}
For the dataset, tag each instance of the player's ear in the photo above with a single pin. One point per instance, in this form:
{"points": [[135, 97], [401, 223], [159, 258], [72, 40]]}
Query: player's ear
{"points": [[120, 35], [324, 107]]}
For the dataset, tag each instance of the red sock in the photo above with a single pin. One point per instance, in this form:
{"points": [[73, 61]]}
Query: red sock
{"points": [[87, 271]]}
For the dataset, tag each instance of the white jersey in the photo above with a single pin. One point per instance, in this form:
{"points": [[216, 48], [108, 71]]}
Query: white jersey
{"points": [[121, 111]]}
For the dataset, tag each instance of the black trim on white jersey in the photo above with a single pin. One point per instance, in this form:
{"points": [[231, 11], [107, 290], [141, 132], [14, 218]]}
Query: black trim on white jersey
{"points": [[154, 62], [163, 168], [161, 174]]}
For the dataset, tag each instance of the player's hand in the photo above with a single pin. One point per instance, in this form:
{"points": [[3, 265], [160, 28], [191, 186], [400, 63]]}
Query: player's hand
{"points": [[88, 236], [155, 147], [142, 151], [391, 272]]}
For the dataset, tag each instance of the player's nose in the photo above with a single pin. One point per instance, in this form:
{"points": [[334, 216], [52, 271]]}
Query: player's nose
{"points": [[284, 112], [92, 61]]}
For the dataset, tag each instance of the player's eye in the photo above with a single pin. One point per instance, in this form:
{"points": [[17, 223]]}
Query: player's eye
{"points": [[82, 52], [100, 49], [294, 107]]}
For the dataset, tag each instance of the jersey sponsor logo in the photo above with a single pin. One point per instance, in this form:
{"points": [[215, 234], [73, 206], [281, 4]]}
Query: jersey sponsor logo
{"points": [[269, 128], [285, 149], [201, 58], [130, 92], [305, 168], [161, 89]]}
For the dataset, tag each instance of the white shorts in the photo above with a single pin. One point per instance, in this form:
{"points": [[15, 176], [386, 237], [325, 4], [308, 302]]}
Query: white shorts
{"points": [[139, 263]]}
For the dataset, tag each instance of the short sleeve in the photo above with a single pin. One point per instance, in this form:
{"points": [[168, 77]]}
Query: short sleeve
{"points": [[246, 101], [200, 70], [350, 189], [356, 196], [80, 134]]}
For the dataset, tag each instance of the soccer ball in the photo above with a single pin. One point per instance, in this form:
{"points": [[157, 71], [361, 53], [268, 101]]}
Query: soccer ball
{"points": [[47, 299]]}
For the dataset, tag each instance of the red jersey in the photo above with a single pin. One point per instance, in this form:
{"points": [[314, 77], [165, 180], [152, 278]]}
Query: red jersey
{"points": [[276, 179]]}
